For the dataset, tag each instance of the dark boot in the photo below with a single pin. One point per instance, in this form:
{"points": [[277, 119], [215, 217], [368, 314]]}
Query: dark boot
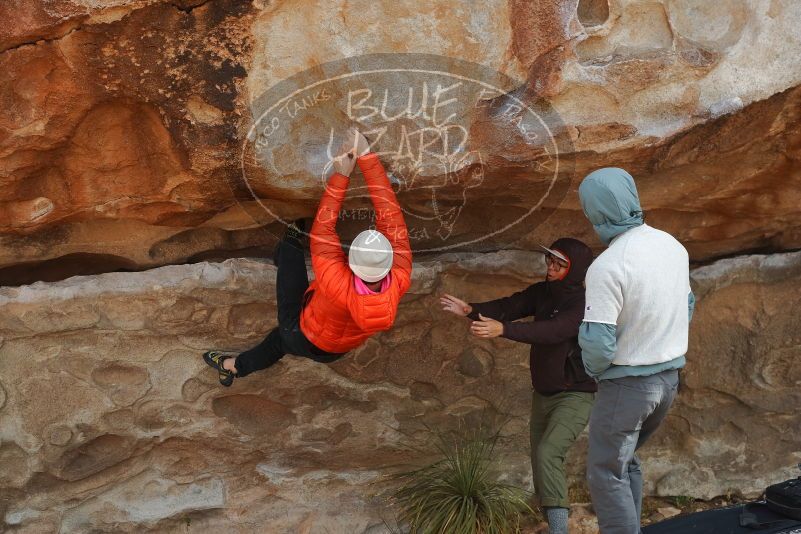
{"points": [[295, 231]]}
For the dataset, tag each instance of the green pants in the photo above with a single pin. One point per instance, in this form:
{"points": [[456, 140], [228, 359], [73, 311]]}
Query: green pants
{"points": [[556, 422]]}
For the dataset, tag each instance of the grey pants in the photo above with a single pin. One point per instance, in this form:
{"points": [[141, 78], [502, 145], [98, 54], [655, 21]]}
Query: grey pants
{"points": [[626, 413]]}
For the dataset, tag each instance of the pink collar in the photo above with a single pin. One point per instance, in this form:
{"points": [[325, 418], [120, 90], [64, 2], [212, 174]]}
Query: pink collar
{"points": [[362, 289]]}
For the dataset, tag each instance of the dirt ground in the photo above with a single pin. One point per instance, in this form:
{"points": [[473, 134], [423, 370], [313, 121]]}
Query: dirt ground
{"points": [[654, 509]]}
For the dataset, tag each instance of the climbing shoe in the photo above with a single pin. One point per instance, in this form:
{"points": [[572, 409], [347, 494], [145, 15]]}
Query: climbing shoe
{"points": [[295, 231], [215, 359]]}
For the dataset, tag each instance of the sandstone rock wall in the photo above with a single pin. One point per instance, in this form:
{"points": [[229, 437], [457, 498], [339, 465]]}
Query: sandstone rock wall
{"points": [[122, 143], [123, 147], [110, 421]]}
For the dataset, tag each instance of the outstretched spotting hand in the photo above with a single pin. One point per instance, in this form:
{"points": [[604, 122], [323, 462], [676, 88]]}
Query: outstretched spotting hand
{"points": [[454, 305], [486, 327]]}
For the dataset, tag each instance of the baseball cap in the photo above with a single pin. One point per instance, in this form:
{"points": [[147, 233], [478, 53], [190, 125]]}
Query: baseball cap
{"points": [[555, 253]]}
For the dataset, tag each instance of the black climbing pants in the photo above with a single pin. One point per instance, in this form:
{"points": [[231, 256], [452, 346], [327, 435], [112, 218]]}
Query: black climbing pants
{"points": [[287, 338]]}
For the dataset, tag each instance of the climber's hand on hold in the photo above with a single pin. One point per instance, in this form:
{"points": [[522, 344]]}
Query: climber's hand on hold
{"points": [[360, 145], [344, 163]]}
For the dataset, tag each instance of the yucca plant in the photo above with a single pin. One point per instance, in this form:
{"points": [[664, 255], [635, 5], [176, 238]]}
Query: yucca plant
{"points": [[460, 493]]}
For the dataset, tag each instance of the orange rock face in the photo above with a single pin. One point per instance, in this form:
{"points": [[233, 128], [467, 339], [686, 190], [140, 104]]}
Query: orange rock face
{"points": [[119, 132], [121, 144]]}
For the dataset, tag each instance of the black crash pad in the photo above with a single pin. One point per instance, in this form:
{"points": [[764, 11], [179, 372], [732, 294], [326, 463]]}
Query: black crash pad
{"points": [[724, 521]]}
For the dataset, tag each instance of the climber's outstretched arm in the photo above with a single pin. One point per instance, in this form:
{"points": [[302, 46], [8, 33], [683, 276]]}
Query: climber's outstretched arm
{"points": [[388, 217], [328, 260]]}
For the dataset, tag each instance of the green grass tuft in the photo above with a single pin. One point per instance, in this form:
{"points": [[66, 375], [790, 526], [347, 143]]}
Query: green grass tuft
{"points": [[460, 494]]}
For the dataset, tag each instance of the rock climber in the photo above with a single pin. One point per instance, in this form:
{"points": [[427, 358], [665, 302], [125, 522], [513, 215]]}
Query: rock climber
{"points": [[353, 296]]}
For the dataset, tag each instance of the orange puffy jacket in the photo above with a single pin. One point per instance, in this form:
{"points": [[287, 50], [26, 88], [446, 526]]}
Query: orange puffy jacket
{"points": [[336, 318]]}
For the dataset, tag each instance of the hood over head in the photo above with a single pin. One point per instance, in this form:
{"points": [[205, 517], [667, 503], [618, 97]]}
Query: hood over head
{"points": [[580, 257], [610, 201]]}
